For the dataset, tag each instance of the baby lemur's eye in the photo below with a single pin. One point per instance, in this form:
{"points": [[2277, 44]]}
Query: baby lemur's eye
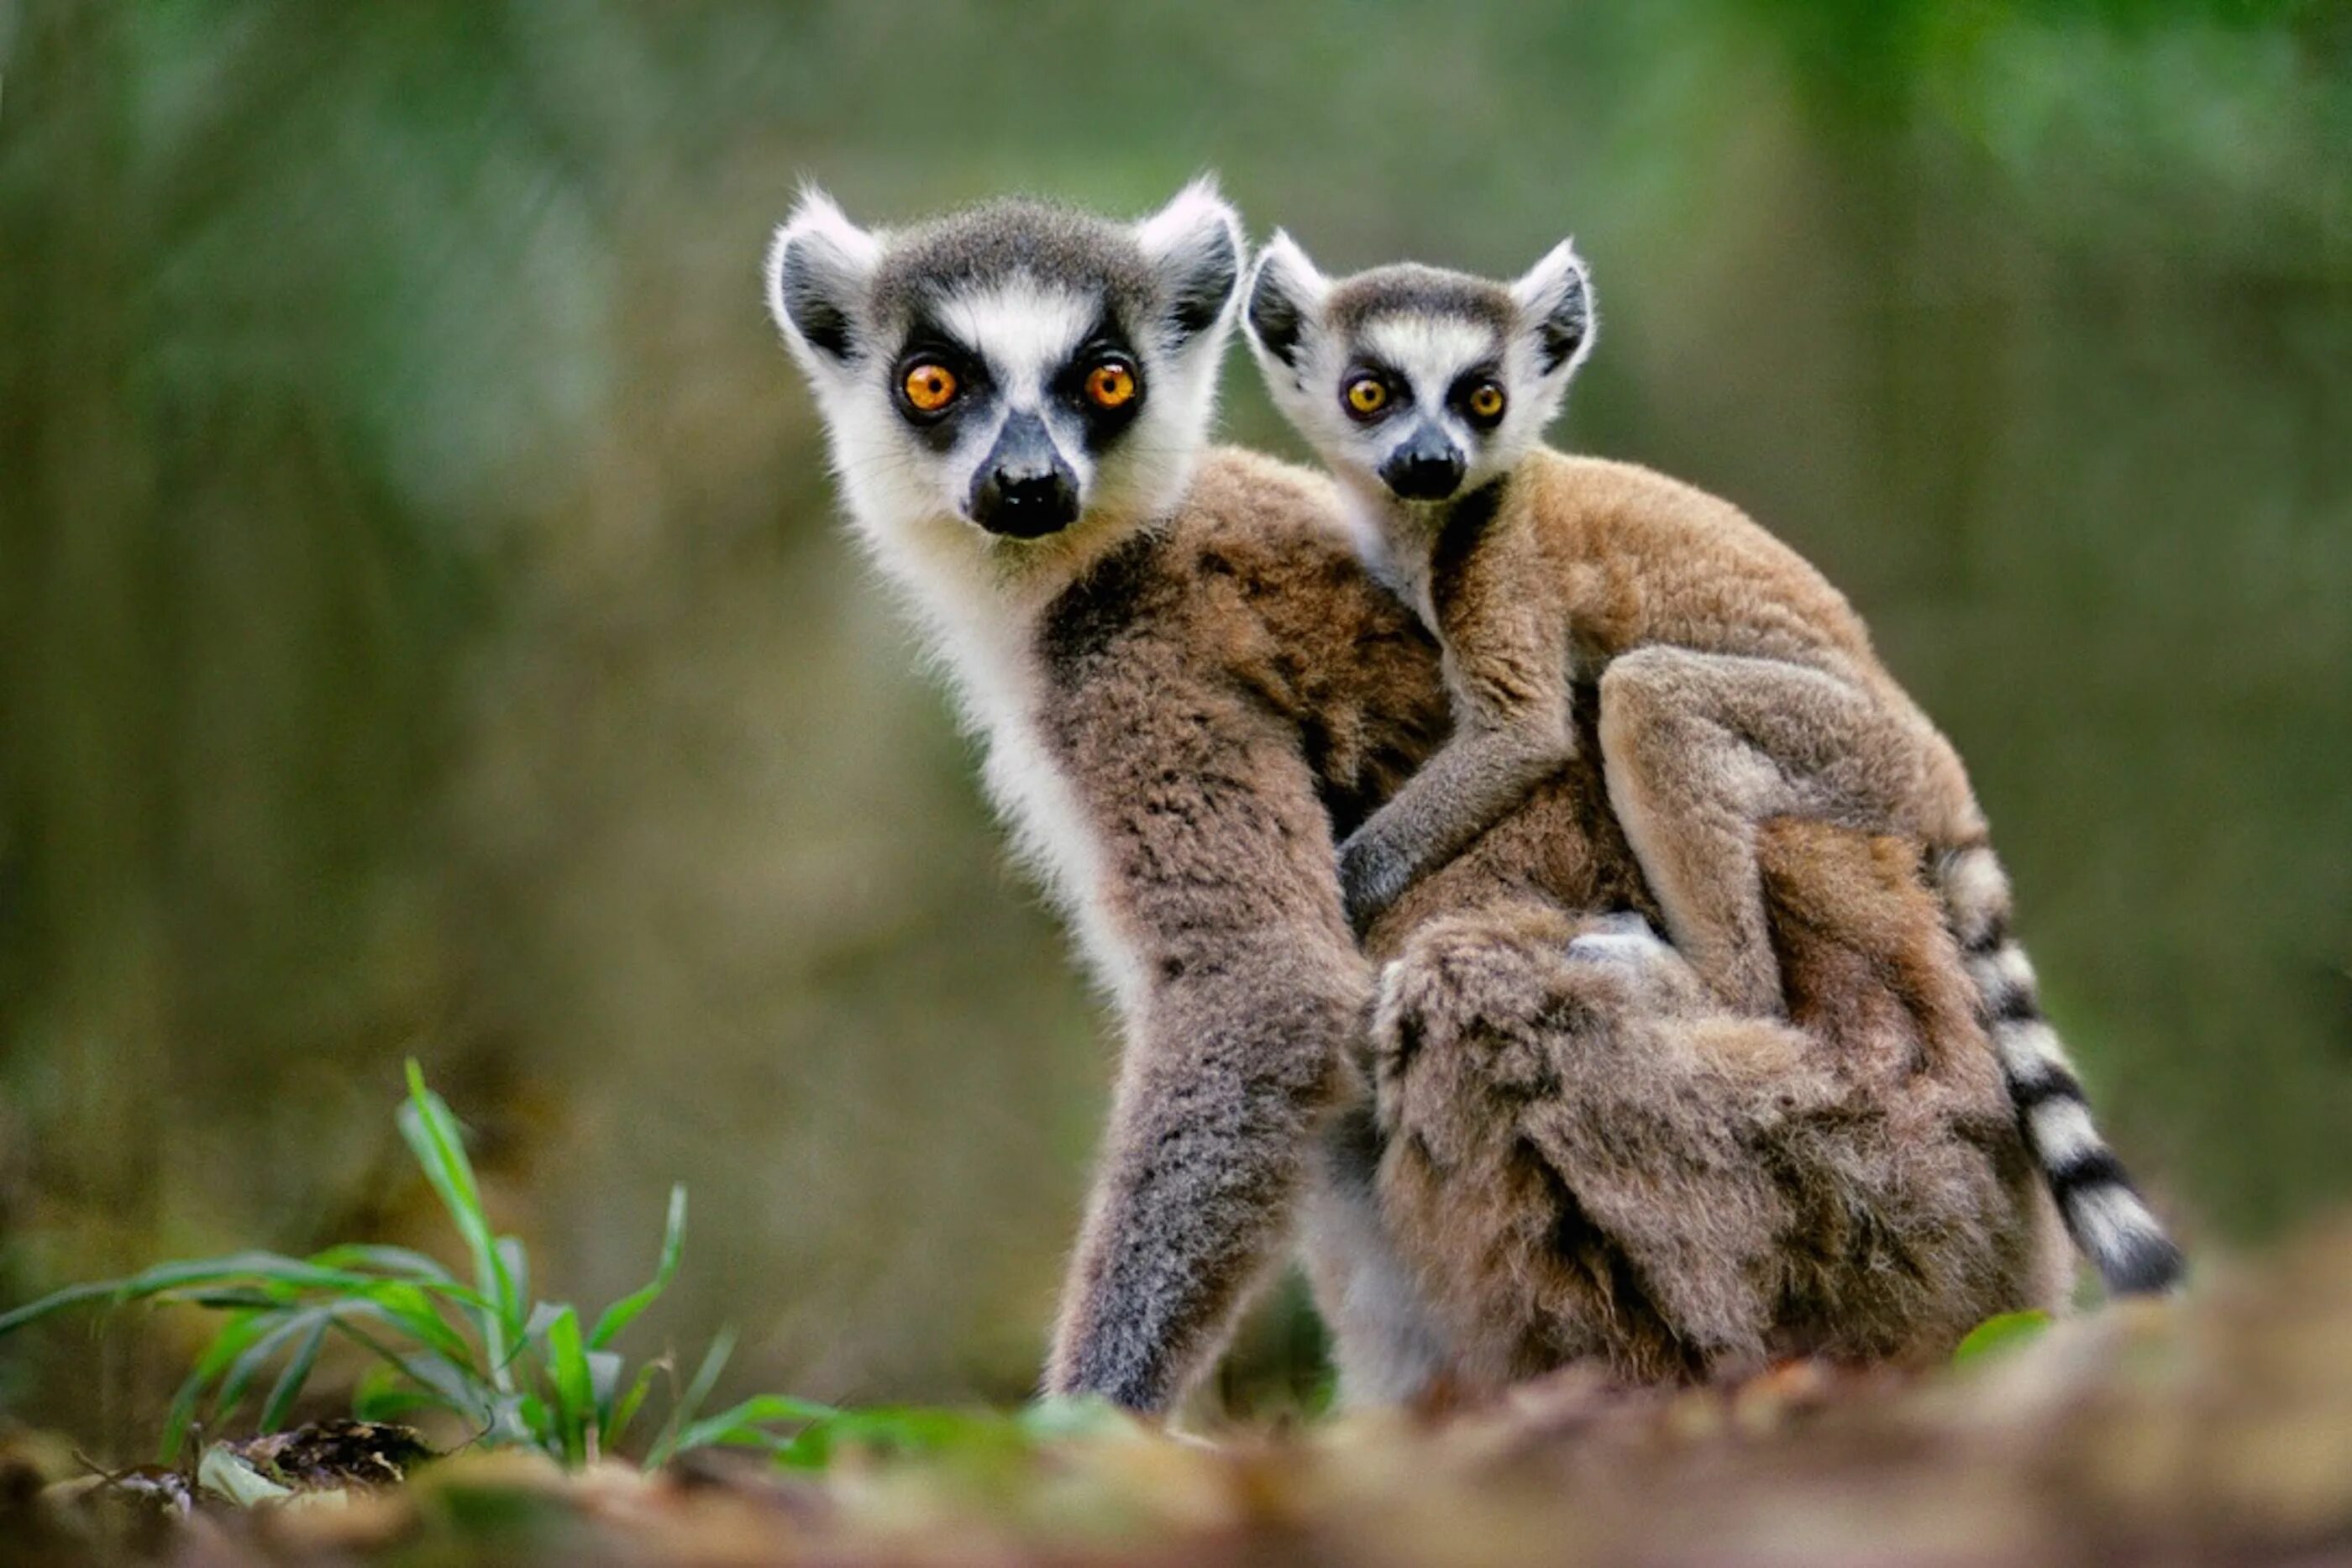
{"points": [[1485, 401], [1110, 384], [1366, 396], [929, 386]]}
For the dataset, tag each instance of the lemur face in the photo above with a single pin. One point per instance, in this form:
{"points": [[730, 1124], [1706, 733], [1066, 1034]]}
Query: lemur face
{"points": [[1013, 372], [1422, 383]]}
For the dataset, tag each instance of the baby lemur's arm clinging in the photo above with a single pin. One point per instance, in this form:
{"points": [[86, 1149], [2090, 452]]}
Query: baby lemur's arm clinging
{"points": [[1513, 723]]}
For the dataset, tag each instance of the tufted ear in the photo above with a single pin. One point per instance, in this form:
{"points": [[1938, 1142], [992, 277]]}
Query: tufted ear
{"points": [[1194, 246], [1555, 300], [1285, 295], [818, 267]]}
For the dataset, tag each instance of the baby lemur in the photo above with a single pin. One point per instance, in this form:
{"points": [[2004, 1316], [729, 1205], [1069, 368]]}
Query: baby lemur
{"points": [[1735, 684]]}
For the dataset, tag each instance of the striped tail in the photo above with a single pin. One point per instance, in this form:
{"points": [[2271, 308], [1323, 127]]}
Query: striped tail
{"points": [[2103, 1212]]}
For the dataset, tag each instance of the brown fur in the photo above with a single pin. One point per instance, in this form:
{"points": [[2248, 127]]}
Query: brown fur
{"points": [[1223, 695], [1735, 683], [1593, 1159]]}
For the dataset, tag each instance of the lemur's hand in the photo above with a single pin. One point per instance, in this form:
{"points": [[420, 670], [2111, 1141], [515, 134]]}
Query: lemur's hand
{"points": [[1372, 873]]}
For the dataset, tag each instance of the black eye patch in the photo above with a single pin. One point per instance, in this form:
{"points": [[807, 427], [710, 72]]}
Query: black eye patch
{"points": [[926, 344], [1104, 382], [1469, 396], [1393, 393]]}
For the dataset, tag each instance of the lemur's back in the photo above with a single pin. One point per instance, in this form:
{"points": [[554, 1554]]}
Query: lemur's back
{"points": [[1643, 558]]}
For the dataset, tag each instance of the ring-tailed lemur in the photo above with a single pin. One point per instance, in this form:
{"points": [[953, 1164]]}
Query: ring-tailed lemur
{"points": [[1735, 683], [1017, 399], [1185, 691]]}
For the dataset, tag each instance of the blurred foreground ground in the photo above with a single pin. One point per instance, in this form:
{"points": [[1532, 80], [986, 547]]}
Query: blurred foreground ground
{"points": [[2217, 1430]]}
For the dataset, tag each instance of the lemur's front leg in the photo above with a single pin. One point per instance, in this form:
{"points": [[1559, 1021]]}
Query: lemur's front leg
{"points": [[1249, 1003], [1221, 1096]]}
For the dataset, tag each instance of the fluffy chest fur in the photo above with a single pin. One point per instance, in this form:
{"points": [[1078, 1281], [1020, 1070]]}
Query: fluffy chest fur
{"points": [[1185, 678]]}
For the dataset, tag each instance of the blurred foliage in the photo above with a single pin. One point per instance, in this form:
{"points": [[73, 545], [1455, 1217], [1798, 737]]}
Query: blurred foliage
{"points": [[423, 626]]}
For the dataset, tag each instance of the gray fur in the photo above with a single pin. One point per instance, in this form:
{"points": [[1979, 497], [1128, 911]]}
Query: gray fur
{"points": [[1048, 245], [1409, 288]]}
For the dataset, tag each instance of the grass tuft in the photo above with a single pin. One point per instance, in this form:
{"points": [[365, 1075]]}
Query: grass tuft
{"points": [[519, 1373]]}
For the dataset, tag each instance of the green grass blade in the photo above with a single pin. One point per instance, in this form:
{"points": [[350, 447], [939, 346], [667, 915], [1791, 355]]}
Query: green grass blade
{"points": [[288, 1387], [743, 1426], [239, 1269], [517, 1261], [689, 1400], [57, 1302], [234, 1339], [538, 1420], [625, 1312], [407, 1306], [230, 1300], [574, 1385], [1995, 1335], [603, 1379], [432, 1136], [248, 1366], [457, 1387], [392, 1402], [401, 1261], [625, 1409]]}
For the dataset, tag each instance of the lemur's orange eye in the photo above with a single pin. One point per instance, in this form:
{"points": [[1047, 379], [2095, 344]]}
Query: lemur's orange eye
{"points": [[930, 387], [1367, 395], [1486, 401], [1110, 384]]}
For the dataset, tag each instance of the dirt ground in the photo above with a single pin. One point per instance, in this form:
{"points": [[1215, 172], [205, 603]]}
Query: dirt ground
{"points": [[2218, 1429]]}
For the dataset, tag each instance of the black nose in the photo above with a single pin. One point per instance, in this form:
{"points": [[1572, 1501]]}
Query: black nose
{"points": [[1425, 467], [1026, 505], [1024, 490]]}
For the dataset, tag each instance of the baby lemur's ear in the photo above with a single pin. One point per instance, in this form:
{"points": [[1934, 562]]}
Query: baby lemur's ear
{"points": [[818, 267], [1286, 294], [1555, 300], [1194, 246]]}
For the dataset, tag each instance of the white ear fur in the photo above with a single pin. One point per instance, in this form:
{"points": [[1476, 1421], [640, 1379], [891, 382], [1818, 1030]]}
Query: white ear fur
{"points": [[1555, 301], [1193, 219], [816, 264], [1285, 291], [1194, 244]]}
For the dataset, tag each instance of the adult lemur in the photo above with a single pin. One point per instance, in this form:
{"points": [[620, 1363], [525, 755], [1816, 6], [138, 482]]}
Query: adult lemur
{"points": [[1734, 683], [1187, 684]]}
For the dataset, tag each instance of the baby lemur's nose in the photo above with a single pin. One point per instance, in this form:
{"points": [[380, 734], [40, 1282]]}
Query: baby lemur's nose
{"points": [[1025, 491], [1425, 467]]}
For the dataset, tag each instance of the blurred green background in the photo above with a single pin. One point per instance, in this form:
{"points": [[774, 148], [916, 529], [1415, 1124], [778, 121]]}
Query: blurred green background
{"points": [[426, 628]]}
